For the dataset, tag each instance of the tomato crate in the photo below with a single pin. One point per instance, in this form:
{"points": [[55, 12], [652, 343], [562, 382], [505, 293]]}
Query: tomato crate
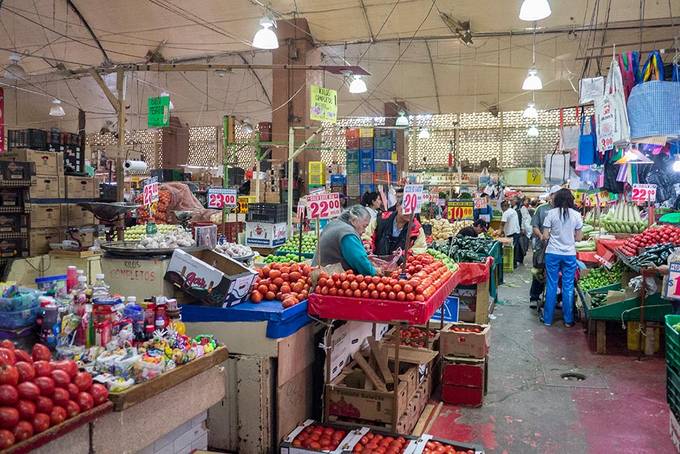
{"points": [[341, 439], [468, 340]]}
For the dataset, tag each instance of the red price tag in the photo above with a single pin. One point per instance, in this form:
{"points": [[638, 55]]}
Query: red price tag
{"points": [[222, 198], [413, 198], [323, 206], [150, 191], [644, 193]]}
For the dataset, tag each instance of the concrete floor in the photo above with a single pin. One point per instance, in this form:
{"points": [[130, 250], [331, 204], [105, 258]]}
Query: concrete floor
{"points": [[619, 408]]}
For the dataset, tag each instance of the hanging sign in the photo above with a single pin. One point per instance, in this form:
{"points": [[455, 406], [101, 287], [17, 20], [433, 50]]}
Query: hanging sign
{"points": [[242, 205], [644, 193], [323, 104], [150, 191], [222, 198], [671, 288], [480, 203], [459, 209], [159, 112], [413, 199], [324, 206], [534, 177]]}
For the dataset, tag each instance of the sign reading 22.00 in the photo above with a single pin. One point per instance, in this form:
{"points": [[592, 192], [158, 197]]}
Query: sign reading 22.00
{"points": [[323, 206]]}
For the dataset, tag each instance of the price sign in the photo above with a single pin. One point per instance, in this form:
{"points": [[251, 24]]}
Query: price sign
{"points": [[671, 288], [459, 209], [242, 205], [150, 191], [323, 206], [480, 203], [413, 198], [222, 198], [644, 193]]}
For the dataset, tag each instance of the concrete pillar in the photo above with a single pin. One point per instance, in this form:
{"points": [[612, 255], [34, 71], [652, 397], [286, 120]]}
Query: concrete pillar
{"points": [[392, 110], [296, 47]]}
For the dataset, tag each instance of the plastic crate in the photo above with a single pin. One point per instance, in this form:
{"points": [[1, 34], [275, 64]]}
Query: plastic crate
{"points": [[672, 342], [366, 154], [337, 179], [382, 166], [366, 178], [382, 155], [352, 143], [367, 166], [364, 188], [353, 180], [673, 391], [352, 156], [267, 212], [352, 133], [508, 258], [383, 143], [366, 132]]}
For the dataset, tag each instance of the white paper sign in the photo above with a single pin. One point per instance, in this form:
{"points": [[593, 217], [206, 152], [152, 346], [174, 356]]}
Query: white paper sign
{"points": [[644, 193], [323, 206], [413, 198], [222, 197]]}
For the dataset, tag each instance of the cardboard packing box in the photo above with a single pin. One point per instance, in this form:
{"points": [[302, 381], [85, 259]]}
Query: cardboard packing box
{"points": [[13, 223], [464, 344], [263, 234], [46, 162], [211, 278], [39, 240], [85, 235], [47, 187], [81, 188], [73, 215], [46, 215]]}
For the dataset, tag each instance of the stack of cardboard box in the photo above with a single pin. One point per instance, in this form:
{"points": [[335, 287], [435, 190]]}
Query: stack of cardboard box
{"points": [[15, 204]]}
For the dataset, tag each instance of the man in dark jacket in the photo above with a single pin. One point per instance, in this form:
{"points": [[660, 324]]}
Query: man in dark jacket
{"points": [[479, 226]]}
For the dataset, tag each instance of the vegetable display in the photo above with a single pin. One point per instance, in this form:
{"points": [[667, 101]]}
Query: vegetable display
{"points": [[442, 229], [173, 239], [319, 438], [585, 246], [601, 277], [284, 258], [651, 237], [415, 336], [653, 256], [286, 282], [450, 264], [137, 232], [233, 250], [465, 249], [436, 447], [160, 214], [623, 218], [375, 442], [293, 244]]}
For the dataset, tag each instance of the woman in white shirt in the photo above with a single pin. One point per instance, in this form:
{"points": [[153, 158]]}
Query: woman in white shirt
{"points": [[563, 226], [372, 202]]}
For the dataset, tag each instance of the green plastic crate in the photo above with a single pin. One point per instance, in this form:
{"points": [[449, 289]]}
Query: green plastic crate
{"points": [[672, 343], [673, 391]]}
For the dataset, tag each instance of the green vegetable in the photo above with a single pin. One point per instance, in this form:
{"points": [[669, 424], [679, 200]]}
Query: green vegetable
{"points": [[601, 277]]}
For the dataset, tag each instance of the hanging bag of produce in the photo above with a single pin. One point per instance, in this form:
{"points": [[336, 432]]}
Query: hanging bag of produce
{"points": [[610, 112], [653, 105], [587, 142]]}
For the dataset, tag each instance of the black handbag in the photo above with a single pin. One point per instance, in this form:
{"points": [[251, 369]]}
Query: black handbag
{"points": [[539, 254]]}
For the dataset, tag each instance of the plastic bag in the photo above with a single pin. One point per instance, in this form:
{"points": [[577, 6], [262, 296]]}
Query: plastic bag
{"points": [[591, 89]]}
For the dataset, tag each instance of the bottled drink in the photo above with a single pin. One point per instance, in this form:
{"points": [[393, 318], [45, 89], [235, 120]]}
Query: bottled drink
{"points": [[100, 289], [80, 296], [71, 278]]}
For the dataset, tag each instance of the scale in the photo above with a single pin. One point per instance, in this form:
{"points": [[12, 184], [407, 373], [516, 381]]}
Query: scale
{"points": [[183, 217], [108, 213]]}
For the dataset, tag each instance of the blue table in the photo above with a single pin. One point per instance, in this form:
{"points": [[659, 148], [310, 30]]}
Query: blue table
{"points": [[280, 322]]}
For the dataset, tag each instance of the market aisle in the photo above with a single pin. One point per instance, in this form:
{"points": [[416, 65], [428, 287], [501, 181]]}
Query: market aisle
{"points": [[619, 408]]}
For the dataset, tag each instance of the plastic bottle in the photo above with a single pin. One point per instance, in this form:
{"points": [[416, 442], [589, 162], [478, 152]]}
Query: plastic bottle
{"points": [[71, 277], [80, 298], [100, 289]]}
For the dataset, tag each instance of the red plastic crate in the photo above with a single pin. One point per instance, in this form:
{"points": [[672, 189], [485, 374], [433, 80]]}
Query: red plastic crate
{"points": [[463, 395], [463, 372]]}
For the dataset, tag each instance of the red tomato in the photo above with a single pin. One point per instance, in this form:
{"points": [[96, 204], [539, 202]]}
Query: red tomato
{"points": [[9, 375], [8, 395], [26, 371], [6, 439], [21, 355], [61, 378], [23, 431], [46, 385], [72, 390], [41, 353], [8, 344], [41, 422], [7, 356], [9, 417], [28, 390], [26, 409], [57, 416], [44, 405], [72, 409], [61, 396], [42, 368], [85, 401]]}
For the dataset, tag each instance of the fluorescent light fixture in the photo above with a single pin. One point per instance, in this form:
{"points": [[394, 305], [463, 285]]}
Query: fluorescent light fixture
{"points": [[424, 133], [401, 120], [56, 110], [265, 38], [533, 10], [358, 85], [532, 131], [530, 112], [167, 95], [532, 82], [14, 71]]}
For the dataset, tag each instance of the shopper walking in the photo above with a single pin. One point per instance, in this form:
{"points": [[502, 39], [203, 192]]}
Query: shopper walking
{"points": [[563, 226], [538, 247], [510, 226]]}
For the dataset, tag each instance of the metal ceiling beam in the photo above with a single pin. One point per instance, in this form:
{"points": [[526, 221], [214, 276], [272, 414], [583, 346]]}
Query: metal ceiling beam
{"points": [[368, 23], [264, 90], [434, 77], [89, 29], [192, 67]]}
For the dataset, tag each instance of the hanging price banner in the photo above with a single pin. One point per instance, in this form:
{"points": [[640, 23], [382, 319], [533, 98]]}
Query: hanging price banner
{"points": [[480, 203], [323, 206], [222, 198], [671, 288], [644, 193], [150, 191], [413, 198]]}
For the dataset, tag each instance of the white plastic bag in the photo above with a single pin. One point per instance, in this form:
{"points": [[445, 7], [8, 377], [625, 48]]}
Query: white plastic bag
{"points": [[557, 167], [591, 89], [569, 138], [611, 114]]}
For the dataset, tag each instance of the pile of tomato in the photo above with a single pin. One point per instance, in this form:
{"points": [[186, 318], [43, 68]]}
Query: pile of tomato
{"points": [[416, 337], [425, 276], [435, 447], [37, 393], [650, 237], [467, 328], [319, 438], [285, 282], [375, 443]]}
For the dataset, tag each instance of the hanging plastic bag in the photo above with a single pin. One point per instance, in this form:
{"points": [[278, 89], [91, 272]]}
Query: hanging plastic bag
{"points": [[569, 138], [587, 141], [591, 89], [653, 67], [556, 167], [653, 109], [628, 64], [611, 113]]}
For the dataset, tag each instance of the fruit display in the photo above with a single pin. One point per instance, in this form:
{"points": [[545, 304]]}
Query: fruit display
{"points": [[37, 393], [650, 237], [137, 232], [233, 250], [319, 438], [601, 277], [623, 218], [293, 244], [285, 282], [436, 447], [442, 229], [272, 258], [425, 276], [465, 249], [450, 264], [374, 442], [170, 240], [160, 214]]}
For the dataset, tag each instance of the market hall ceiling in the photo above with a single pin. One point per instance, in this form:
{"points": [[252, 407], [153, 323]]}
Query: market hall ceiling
{"points": [[415, 50]]}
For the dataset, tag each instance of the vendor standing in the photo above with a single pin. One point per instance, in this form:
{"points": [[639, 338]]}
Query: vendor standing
{"points": [[389, 232], [479, 226], [340, 242]]}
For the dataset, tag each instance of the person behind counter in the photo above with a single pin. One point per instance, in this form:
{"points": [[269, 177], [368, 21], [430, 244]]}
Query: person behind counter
{"points": [[477, 227], [388, 233], [372, 202], [340, 242]]}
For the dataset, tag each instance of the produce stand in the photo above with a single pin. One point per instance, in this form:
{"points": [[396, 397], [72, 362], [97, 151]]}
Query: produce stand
{"points": [[142, 391]]}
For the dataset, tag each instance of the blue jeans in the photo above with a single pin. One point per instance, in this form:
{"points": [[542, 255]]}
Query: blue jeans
{"points": [[554, 263]]}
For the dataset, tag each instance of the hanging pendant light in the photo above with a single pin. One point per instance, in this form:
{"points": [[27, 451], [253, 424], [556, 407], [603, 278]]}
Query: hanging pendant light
{"points": [[358, 85], [532, 131], [14, 71], [166, 94], [532, 82], [265, 38], [424, 133], [56, 110], [530, 112], [533, 10], [402, 120]]}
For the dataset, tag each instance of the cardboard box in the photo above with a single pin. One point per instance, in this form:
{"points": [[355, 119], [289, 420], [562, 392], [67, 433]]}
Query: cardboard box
{"points": [[73, 215], [11, 198], [81, 188], [16, 247], [13, 223], [44, 215], [45, 162], [348, 339], [417, 336], [85, 235], [142, 278], [211, 278], [39, 240], [351, 438], [47, 187], [464, 344], [262, 234], [16, 170]]}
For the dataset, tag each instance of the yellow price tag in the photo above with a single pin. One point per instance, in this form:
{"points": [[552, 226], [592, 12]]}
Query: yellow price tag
{"points": [[242, 205], [534, 177]]}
